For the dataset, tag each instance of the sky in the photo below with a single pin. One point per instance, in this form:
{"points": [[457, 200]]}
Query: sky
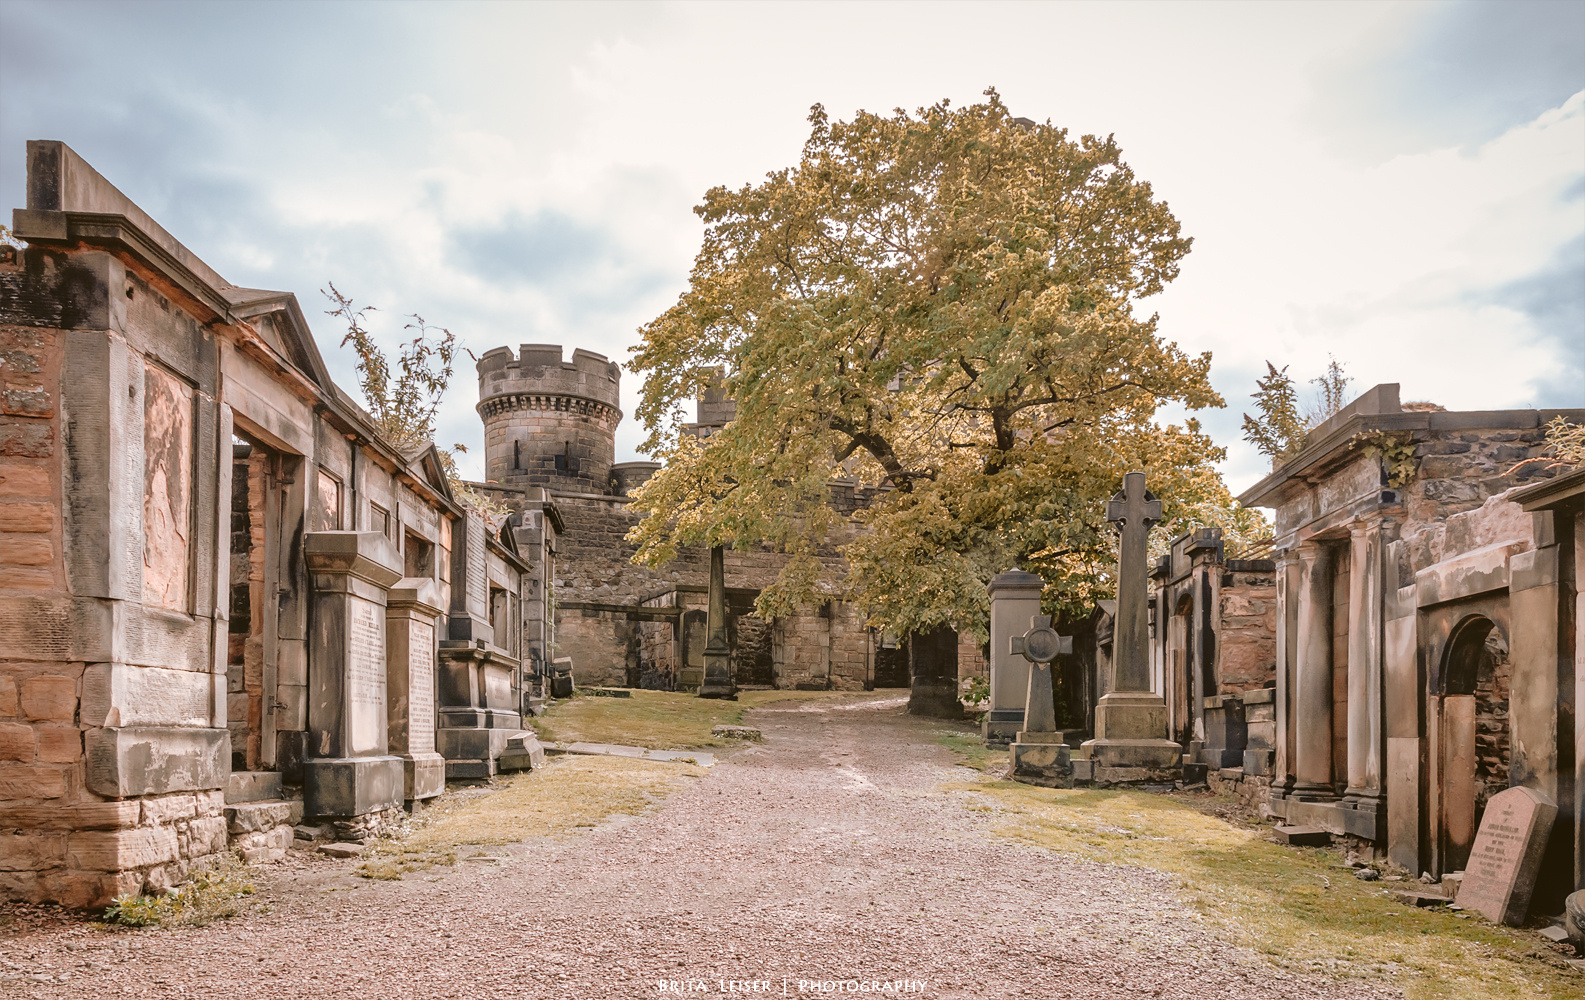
{"points": [[1397, 185]]}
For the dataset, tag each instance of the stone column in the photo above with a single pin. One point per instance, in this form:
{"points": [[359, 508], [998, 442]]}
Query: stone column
{"points": [[1365, 805], [718, 681], [1287, 629], [1015, 601], [352, 773], [410, 613], [1313, 704]]}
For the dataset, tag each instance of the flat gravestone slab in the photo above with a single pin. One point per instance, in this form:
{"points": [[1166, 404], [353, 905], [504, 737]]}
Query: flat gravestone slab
{"points": [[1303, 836], [1507, 854]]}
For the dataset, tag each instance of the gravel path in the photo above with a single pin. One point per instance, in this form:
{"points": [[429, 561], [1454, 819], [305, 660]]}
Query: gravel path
{"points": [[826, 855]]}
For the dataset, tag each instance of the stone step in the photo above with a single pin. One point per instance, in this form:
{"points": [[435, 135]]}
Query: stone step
{"points": [[253, 817], [1303, 836], [253, 786]]}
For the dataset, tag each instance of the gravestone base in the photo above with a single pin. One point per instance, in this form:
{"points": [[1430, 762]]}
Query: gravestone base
{"points": [[351, 786], [689, 678], [423, 775], [1041, 759], [1001, 726], [717, 682], [1364, 817], [523, 753]]}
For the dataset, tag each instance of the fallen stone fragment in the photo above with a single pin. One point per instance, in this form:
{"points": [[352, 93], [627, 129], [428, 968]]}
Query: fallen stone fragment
{"points": [[1367, 874], [738, 733], [341, 850], [1411, 897], [1554, 933]]}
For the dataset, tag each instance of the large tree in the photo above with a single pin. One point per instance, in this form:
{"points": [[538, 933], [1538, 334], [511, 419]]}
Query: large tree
{"points": [[944, 304]]}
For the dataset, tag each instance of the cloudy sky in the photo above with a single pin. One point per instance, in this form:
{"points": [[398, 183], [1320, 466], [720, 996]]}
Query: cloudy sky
{"points": [[1401, 185]]}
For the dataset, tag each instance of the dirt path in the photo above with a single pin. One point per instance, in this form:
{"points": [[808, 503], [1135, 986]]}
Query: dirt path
{"points": [[827, 855]]}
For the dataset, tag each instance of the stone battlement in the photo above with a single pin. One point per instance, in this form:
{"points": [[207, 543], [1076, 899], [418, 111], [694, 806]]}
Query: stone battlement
{"points": [[539, 370]]}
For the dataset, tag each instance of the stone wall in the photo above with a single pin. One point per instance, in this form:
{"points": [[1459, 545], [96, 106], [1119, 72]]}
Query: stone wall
{"points": [[1246, 647]]}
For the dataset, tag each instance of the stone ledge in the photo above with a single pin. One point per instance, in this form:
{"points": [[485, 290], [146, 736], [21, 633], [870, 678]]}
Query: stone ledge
{"points": [[253, 817], [124, 763]]}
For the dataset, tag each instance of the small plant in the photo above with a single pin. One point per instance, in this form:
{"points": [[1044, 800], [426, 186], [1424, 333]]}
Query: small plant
{"points": [[1397, 455], [1565, 444], [1279, 430], [977, 691], [209, 895]]}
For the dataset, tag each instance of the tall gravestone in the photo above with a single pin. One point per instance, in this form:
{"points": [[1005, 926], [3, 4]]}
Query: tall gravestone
{"points": [[1015, 600], [1130, 741], [350, 773], [1039, 756], [717, 681], [1500, 875], [411, 611]]}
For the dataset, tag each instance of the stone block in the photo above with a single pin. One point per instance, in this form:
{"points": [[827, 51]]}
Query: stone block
{"points": [[1258, 763], [8, 697], [17, 742], [24, 481], [253, 786], [1083, 770], [49, 699], [119, 850], [1303, 836], [424, 776], [1044, 764], [59, 744], [131, 762], [27, 852], [167, 810], [202, 836], [1195, 774], [25, 518], [82, 816], [123, 695], [351, 786], [253, 817], [28, 550], [31, 781]]}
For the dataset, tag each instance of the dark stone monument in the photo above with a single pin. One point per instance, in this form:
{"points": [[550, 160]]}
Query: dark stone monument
{"points": [[718, 682], [933, 673], [1131, 720]]}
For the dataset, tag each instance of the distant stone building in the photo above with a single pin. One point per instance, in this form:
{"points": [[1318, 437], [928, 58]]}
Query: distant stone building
{"points": [[1429, 644], [550, 427]]}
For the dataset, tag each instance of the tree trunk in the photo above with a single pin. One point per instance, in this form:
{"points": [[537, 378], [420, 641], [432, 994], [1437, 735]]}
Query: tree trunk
{"points": [[933, 673]]}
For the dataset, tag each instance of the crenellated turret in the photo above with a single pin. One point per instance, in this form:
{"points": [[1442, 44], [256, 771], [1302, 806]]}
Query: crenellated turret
{"points": [[549, 422]]}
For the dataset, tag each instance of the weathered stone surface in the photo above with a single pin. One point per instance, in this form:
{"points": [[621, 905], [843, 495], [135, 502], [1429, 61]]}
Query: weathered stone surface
{"points": [[35, 781], [125, 762], [49, 699], [748, 733], [1574, 917], [1507, 855], [352, 786], [252, 817], [1046, 764], [120, 850], [83, 816], [341, 850], [1303, 836]]}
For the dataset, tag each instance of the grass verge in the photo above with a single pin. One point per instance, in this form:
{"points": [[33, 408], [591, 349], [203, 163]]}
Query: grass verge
{"points": [[665, 720], [1300, 908], [569, 794], [971, 751]]}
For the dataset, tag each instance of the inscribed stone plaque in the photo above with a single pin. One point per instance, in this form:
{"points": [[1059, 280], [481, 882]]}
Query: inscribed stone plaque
{"points": [[365, 674], [1507, 854], [167, 489], [421, 688]]}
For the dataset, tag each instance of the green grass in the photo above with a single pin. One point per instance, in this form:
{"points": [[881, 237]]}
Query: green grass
{"points": [[1300, 908], [665, 720], [971, 750], [571, 793]]}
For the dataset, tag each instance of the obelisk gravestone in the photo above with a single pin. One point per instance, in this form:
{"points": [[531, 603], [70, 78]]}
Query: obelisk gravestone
{"points": [[1130, 743], [718, 682]]}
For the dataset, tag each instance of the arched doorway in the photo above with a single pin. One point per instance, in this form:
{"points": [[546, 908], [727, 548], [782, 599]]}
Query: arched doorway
{"points": [[1474, 732]]}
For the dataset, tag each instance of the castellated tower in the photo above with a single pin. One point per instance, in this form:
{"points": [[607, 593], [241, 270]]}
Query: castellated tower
{"points": [[549, 422]]}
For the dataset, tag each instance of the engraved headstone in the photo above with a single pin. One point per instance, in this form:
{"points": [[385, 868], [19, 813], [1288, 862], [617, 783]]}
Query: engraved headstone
{"points": [[410, 613], [350, 772], [1501, 872]]}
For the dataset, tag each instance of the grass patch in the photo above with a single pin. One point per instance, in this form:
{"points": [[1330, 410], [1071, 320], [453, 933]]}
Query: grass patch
{"points": [[210, 895], [664, 720], [569, 794], [972, 752], [1300, 908]]}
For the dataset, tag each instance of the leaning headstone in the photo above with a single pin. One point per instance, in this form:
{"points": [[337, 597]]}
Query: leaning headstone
{"points": [[1038, 756], [1507, 855]]}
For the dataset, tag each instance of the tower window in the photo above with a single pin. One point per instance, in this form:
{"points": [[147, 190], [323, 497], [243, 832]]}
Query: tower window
{"points": [[517, 454], [565, 462]]}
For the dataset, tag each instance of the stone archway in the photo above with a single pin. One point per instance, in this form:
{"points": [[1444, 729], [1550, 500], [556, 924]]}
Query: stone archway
{"points": [[1473, 744]]}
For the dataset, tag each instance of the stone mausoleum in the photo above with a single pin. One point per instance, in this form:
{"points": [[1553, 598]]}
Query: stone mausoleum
{"points": [[227, 602]]}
